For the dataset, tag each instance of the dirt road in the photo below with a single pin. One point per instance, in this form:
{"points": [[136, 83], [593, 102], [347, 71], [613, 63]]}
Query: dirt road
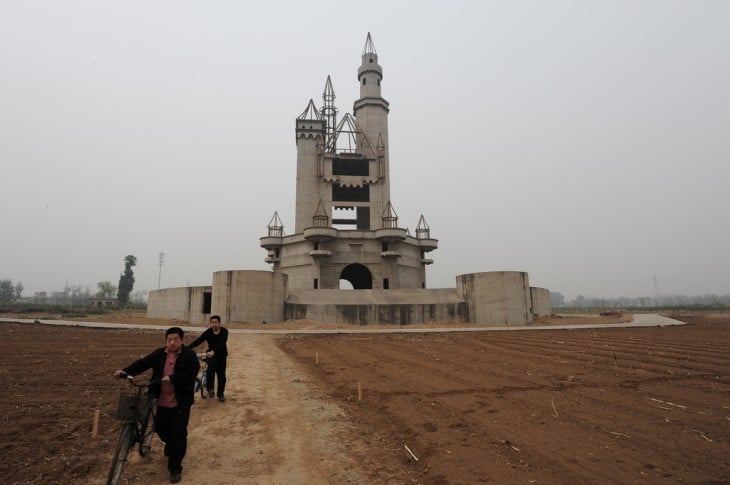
{"points": [[270, 430]]}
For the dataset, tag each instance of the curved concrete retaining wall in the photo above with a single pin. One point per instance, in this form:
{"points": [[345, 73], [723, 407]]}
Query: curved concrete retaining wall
{"points": [[249, 296], [496, 297], [376, 307], [184, 304], [540, 301], [490, 298]]}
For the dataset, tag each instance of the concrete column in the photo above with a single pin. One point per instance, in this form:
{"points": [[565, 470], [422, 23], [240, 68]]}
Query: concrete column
{"points": [[497, 297], [540, 301], [249, 296]]}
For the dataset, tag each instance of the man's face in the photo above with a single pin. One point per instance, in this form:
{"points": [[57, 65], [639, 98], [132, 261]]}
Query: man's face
{"points": [[215, 324], [173, 343]]}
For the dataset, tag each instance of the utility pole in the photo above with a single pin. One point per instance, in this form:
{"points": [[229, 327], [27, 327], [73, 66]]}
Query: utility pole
{"points": [[159, 275]]}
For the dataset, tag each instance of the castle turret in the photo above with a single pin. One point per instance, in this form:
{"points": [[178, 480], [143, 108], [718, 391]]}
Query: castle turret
{"points": [[310, 136], [371, 116]]}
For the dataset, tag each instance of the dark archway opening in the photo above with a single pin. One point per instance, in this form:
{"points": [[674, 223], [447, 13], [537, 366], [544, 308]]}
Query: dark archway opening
{"points": [[358, 276]]}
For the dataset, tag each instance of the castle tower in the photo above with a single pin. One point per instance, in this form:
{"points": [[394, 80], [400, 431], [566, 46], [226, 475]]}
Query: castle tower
{"points": [[371, 116], [310, 137], [346, 227]]}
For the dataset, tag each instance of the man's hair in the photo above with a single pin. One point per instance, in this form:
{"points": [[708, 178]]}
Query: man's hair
{"points": [[176, 330], [215, 317]]}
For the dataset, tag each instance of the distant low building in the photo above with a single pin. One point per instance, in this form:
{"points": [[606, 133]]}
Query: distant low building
{"points": [[102, 302]]}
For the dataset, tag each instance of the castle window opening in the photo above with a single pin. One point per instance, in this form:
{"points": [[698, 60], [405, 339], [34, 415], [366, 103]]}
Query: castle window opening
{"points": [[207, 299], [343, 166]]}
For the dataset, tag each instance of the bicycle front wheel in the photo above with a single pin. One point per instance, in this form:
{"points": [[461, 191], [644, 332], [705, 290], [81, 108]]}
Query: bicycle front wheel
{"points": [[203, 390], [147, 428], [126, 439]]}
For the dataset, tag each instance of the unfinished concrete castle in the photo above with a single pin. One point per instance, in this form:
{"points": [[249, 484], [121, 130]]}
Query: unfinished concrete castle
{"points": [[347, 229]]}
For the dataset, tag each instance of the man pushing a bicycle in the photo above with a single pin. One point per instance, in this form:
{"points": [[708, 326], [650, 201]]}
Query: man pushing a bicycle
{"points": [[216, 337], [175, 366]]}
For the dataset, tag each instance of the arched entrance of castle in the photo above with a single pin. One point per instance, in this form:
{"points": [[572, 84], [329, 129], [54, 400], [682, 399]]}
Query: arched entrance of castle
{"points": [[358, 276]]}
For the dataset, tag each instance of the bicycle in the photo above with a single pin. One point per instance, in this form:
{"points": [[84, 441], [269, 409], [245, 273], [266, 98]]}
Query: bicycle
{"points": [[135, 410], [200, 382]]}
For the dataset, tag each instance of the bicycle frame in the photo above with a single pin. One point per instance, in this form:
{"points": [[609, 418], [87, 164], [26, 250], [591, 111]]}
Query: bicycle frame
{"points": [[200, 382], [135, 411]]}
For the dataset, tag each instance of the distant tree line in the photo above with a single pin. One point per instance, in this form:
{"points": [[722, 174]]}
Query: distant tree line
{"points": [[662, 301], [9, 291], [79, 295]]}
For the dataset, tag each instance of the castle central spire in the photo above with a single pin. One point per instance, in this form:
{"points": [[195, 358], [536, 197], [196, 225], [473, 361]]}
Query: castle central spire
{"points": [[329, 112]]}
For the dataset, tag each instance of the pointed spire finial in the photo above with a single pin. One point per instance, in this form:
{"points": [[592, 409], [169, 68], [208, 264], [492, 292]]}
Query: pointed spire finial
{"points": [[390, 218], [423, 231], [320, 218], [276, 227], [329, 92], [369, 46], [310, 112]]}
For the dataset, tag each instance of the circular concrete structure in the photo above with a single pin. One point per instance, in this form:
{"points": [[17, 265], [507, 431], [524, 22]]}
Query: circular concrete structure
{"points": [[249, 296], [496, 297]]}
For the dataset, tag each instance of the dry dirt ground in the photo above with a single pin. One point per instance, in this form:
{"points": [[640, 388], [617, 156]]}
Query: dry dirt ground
{"points": [[648, 405]]}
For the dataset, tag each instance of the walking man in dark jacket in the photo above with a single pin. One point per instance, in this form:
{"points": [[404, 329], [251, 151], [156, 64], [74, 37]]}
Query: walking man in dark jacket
{"points": [[217, 339], [175, 366]]}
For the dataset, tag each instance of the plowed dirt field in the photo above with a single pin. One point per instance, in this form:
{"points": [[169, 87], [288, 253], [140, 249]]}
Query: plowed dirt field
{"points": [[648, 405]]}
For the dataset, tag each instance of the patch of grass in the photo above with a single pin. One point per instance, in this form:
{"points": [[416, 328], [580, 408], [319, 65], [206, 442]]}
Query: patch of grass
{"points": [[73, 315]]}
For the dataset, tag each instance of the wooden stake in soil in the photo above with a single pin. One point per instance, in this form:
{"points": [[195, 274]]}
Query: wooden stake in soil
{"points": [[95, 426], [359, 391], [316, 358], [555, 411], [410, 452], [615, 367]]}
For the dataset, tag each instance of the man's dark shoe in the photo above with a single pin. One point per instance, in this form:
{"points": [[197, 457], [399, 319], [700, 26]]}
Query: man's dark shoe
{"points": [[175, 477], [211, 394], [222, 398]]}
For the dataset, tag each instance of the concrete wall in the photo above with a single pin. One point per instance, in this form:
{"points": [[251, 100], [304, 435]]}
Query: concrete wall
{"points": [[184, 304], [540, 301], [372, 307], [497, 297], [249, 296], [403, 271]]}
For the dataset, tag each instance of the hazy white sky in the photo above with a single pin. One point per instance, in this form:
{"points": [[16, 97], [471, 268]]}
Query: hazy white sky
{"points": [[584, 142]]}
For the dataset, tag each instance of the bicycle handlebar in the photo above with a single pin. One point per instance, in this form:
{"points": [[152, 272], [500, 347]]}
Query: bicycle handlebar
{"points": [[130, 379]]}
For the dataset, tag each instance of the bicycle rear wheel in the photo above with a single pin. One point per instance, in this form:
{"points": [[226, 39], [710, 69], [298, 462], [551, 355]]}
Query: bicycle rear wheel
{"points": [[126, 439], [147, 428]]}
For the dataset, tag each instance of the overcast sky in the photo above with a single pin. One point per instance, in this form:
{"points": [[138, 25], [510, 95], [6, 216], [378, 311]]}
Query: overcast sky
{"points": [[584, 142]]}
